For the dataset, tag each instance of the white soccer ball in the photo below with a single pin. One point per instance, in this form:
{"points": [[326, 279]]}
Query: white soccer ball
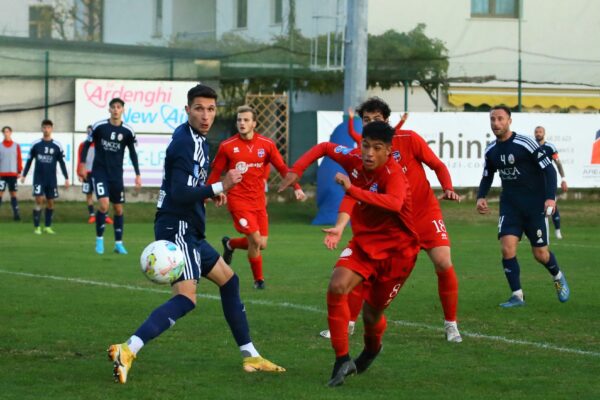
{"points": [[162, 262]]}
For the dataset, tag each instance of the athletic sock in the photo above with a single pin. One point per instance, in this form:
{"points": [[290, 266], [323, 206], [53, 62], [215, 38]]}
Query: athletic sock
{"points": [[338, 316], [448, 292], [90, 209], [248, 350], [552, 265], [15, 205], [355, 302], [135, 344], [256, 265], [512, 272], [163, 317], [48, 216], [36, 217], [100, 220], [118, 226], [374, 334], [234, 311], [238, 243], [556, 219]]}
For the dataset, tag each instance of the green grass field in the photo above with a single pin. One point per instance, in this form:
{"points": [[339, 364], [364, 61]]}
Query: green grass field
{"points": [[62, 305]]}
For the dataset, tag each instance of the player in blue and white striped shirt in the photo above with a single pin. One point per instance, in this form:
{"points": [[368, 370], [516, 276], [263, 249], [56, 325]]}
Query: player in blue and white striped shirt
{"points": [[528, 195]]}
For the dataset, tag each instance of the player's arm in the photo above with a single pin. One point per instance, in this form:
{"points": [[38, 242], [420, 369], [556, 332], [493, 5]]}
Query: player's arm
{"points": [[334, 151], [276, 159], [392, 200], [334, 235], [425, 155], [81, 169], [484, 187], [218, 166], [32, 155], [133, 156], [542, 160], [353, 134], [19, 161], [561, 171], [63, 166]]}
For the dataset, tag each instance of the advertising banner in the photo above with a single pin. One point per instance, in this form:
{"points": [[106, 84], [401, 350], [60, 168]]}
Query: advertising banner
{"points": [[150, 106], [460, 139]]}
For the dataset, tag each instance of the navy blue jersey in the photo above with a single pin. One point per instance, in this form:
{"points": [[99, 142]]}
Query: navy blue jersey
{"points": [[183, 189], [550, 150], [109, 144], [46, 155], [523, 166]]}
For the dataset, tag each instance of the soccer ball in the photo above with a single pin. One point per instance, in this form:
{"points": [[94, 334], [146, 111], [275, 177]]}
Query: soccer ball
{"points": [[162, 262]]}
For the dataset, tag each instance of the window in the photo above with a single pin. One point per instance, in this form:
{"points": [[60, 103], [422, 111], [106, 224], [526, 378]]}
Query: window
{"points": [[40, 21], [495, 8], [158, 18], [277, 11], [241, 20]]}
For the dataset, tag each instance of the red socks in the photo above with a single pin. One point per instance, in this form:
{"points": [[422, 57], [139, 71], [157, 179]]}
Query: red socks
{"points": [[355, 301], [448, 291], [256, 265], [373, 335], [238, 243], [338, 316]]}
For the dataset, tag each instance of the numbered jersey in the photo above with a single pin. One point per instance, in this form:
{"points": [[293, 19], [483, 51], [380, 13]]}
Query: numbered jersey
{"points": [[110, 142], [46, 153]]}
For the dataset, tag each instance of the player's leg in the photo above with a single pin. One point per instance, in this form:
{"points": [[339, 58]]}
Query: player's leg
{"points": [[12, 189], [512, 270], [37, 208], [2, 189], [355, 303], [86, 188], [447, 289], [117, 198], [537, 231], [255, 243], [48, 214], [101, 190], [234, 311], [556, 222]]}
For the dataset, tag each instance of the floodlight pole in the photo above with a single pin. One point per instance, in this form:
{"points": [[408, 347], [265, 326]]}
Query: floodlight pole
{"points": [[46, 82], [520, 89], [355, 62]]}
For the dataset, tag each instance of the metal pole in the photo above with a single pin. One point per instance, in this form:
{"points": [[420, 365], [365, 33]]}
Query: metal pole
{"points": [[405, 96], [291, 27], [355, 63], [171, 68], [519, 89], [46, 82]]}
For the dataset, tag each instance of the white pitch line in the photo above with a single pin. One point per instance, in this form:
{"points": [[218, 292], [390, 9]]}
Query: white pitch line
{"points": [[418, 325]]}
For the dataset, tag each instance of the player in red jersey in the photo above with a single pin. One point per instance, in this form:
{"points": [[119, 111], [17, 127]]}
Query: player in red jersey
{"points": [[11, 166], [411, 152], [250, 153], [384, 244]]}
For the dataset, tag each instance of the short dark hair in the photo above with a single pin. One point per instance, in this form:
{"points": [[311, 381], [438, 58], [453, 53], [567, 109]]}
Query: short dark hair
{"points": [[201, 90], [47, 122], [374, 104], [378, 130], [501, 107], [116, 100], [6, 127]]}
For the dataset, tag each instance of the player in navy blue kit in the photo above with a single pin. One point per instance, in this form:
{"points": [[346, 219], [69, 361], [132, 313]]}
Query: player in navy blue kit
{"points": [[46, 152], [180, 218], [110, 137], [528, 195], [552, 153]]}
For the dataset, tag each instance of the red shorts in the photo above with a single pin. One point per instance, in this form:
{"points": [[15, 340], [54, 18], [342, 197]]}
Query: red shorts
{"points": [[432, 230], [250, 221], [383, 278]]}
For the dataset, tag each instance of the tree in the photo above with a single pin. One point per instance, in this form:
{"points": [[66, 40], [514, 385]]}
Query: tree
{"points": [[399, 58], [81, 20]]}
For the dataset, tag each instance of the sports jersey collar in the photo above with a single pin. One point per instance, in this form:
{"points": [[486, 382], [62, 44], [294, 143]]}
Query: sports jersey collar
{"points": [[195, 134], [7, 143]]}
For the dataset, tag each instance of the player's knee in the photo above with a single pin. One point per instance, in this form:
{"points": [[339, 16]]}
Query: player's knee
{"points": [[541, 254], [338, 287]]}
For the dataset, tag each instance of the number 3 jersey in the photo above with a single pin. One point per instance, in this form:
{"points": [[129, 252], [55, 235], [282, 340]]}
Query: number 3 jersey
{"points": [[46, 154]]}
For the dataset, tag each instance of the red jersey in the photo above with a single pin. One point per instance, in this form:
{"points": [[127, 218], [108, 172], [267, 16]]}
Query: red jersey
{"points": [[89, 160], [251, 158], [382, 220], [11, 163]]}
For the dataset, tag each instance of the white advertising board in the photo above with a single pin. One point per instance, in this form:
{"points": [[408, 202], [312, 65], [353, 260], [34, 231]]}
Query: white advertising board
{"points": [[150, 106], [459, 139]]}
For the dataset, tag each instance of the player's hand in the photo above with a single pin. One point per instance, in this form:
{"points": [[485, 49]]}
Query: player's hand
{"points": [[563, 186], [22, 179], [232, 178], [288, 181], [80, 179], [549, 207], [450, 195], [482, 206], [342, 180], [138, 182], [300, 195], [404, 117], [350, 113], [81, 171], [332, 237], [67, 184], [220, 199]]}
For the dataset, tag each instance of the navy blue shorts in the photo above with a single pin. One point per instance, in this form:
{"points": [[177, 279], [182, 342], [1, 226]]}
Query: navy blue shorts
{"points": [[111, 188], [516, 220], [10, 182], [86, 186], [43, 189], [200, 257]]}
